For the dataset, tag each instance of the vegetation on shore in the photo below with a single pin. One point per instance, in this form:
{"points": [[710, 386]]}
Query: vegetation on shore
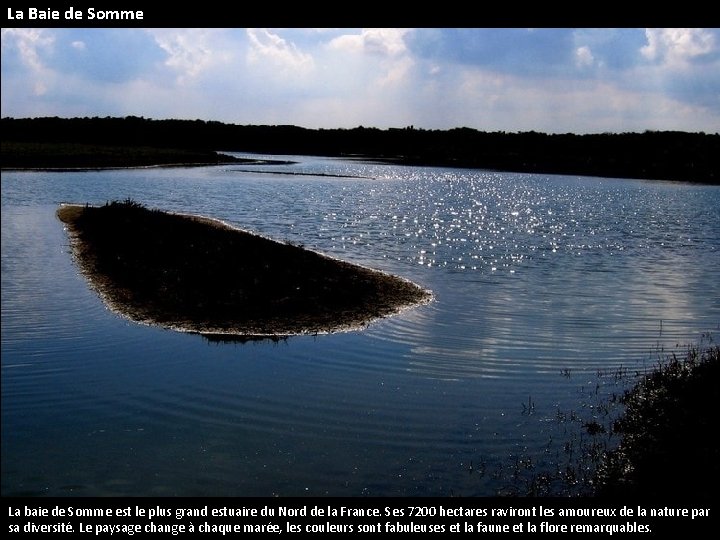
{"points": [[668, 155], [652, 438], [668, 447], [200, 275], [68, 155]]}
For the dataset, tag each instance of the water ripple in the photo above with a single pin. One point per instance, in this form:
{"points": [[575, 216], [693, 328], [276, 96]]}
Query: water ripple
{"points": [[540, 282]]}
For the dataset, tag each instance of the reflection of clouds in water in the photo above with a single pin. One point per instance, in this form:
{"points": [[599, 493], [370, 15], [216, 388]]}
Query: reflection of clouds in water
{"points": [[663, 295]]}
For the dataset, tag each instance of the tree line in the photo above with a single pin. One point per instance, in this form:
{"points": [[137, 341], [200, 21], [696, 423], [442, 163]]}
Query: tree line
{"points": [[671, 155]]}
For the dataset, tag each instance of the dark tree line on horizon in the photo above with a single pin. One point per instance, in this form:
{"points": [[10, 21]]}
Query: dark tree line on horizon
{"points": [[671, 155]]}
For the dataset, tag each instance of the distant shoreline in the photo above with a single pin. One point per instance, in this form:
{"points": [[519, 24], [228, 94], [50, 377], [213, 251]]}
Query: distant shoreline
{"points": [[66, 157], [149, 166], [652, 155], [196, 274], [108, 168]]}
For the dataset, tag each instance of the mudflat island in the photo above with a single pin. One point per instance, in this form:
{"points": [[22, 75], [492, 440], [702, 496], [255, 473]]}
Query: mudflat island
{"points": [[197, 274]]}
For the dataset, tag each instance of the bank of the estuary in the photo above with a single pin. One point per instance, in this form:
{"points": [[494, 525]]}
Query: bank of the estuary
{"points": [[201, 275], [668, 448], [690, 157], [67, 156]]}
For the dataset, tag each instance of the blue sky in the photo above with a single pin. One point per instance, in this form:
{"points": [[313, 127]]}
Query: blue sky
{"points": [[514, 79]]}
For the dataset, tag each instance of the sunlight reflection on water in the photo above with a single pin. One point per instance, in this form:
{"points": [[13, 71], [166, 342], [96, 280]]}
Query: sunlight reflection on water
{"points": [[534, 277]]}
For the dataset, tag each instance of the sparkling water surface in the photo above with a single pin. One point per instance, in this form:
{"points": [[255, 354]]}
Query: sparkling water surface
{"points": [[541, 283]]}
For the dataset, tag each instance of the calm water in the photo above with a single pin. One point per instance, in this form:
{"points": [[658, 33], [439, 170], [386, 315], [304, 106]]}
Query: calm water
{"points": [[541, 282]]}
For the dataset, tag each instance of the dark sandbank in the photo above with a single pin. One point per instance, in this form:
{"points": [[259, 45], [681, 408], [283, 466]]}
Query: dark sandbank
{"points": [[200, 275]]}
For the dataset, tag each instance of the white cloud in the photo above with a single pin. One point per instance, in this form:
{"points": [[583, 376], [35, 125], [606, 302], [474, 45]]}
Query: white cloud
{"points": [[584, 57], [378, 41], [677, 46], [378, 56], [79, 45], [29, 42], [190, 51], [266, 46], [352, 43], [396, 72], [385, 41]]}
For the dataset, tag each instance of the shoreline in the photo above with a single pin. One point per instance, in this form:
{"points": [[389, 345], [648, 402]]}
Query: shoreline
{"points": [[666, 447], [111, 167], [179, 165], [69, 157], [283, 291], [651, 155]]}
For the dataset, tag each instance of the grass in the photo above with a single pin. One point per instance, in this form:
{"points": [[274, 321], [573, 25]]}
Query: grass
{"points": [[668, 446], [652, 438], [197, 274]]}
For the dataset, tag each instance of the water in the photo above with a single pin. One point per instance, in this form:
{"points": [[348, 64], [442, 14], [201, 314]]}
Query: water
{"points": [[541, 282]]}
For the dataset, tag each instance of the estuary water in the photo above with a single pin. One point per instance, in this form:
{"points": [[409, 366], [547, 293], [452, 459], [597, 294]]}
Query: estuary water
{"points": [[551, 292]]}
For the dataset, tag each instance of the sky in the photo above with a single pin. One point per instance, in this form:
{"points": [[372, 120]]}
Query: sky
{"points": [[567, 80]]}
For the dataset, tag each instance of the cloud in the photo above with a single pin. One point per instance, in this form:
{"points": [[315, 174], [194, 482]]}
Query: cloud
{"points": [[584, 57], [25, 50], [268, 47], [682, 63], [491, 101], [29, 43], [613, 49], [378, 58], [374, 41], [678, 47], [190, 51], [557, 80], [110, 55]]}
